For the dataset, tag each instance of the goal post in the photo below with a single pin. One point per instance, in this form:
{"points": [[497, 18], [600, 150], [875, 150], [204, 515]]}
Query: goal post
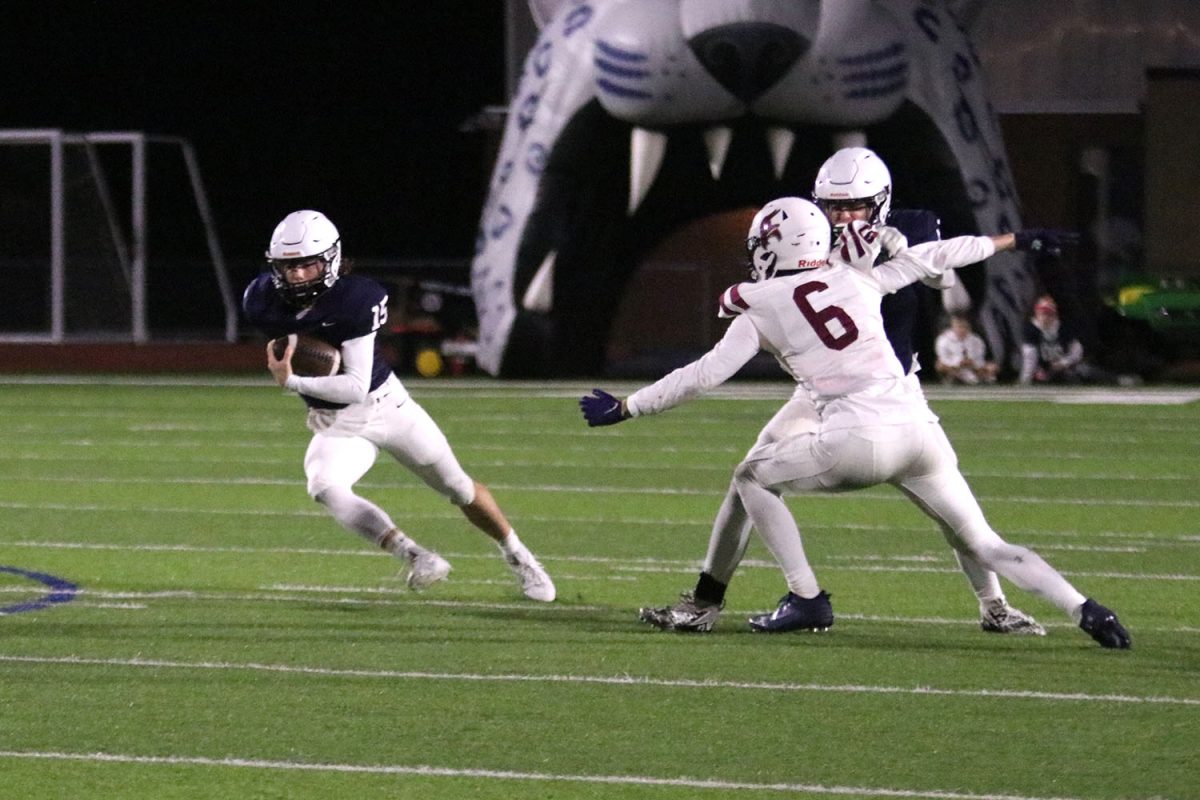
{"points": [[81, 257]]}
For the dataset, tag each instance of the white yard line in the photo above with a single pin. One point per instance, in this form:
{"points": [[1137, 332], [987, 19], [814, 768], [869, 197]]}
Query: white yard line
{"points": [[382, 597], [140, 458], [603, 680], [898, 565], [425, 770], [666, 491]]}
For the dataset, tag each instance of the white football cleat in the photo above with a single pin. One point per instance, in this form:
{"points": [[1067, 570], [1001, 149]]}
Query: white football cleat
{"points": [[425, 569], [997, 616], [535, 581]]}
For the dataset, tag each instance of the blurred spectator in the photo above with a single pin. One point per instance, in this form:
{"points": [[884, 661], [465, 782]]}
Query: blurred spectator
{"points": [[1052, 353], [962, 355]]}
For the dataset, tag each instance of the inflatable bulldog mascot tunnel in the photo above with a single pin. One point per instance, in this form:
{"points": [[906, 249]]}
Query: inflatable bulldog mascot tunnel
{"points": [[635, 117]]}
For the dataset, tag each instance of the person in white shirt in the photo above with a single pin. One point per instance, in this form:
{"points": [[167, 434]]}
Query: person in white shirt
{"points": [[818, 313], [962, 355]]}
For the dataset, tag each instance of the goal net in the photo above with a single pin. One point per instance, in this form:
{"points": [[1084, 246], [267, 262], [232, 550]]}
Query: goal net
{"points": [[75, 210]]}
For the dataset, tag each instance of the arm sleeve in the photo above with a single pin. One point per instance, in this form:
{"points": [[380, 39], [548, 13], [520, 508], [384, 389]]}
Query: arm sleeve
{"points": [[739, 344], [943, 281], [931, 259], [958, 251], [352, 384]]}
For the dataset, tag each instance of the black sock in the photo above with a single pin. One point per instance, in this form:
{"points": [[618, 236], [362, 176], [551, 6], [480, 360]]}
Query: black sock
{"points": [[709, 589]]}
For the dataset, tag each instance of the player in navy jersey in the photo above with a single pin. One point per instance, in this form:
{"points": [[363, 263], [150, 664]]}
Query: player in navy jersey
{"points": [[855, 183], [364, 407]]}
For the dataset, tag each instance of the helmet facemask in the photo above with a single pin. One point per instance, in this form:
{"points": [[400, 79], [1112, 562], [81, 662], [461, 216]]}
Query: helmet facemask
{"points": [[877, 207], [305, 293], [854, 177]]}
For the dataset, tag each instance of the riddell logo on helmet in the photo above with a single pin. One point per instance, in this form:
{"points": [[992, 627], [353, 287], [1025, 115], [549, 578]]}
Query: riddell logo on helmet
{"points": [[811, 262]]}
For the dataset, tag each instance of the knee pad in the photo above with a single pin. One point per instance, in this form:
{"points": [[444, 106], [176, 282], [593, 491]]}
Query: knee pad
{"points": [[462, 490], [448, 479]]}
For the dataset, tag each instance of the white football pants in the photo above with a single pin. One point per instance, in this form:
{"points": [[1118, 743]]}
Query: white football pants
{"points": [[345, 444], [731, 527], [916, 458]]}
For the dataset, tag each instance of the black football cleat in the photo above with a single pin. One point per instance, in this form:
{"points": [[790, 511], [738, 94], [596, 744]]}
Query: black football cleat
{"points": [[1103, 626], [796, 613]]}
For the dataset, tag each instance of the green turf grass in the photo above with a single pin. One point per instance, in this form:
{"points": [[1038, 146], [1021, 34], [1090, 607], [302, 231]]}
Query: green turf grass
{"points": [[230, 640]]}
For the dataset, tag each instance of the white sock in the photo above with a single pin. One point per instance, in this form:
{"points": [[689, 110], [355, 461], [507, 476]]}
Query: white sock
{"points": [[510, 545], [398, 544], [363, 517], [777, 527], [728, 540], [983, 581]]}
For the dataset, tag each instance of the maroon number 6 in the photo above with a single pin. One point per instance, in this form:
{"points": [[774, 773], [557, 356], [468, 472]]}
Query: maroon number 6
{"points": [[819, 320]]}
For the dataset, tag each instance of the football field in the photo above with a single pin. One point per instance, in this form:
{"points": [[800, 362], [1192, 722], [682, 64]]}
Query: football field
{"points": [[179, 620]]}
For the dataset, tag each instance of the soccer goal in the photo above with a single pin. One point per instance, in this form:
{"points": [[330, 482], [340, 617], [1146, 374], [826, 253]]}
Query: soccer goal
{"points": [[75, 209]]}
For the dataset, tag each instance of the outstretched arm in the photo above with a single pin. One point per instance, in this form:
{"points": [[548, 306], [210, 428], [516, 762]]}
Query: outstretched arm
{"points": [[1050, 241], [739, 344]]}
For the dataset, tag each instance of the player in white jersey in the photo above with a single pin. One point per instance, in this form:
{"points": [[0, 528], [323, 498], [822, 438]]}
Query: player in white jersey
{"points": [[820, 318], [853, 184]]}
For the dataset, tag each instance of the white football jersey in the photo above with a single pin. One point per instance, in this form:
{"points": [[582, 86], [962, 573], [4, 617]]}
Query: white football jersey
{"points": [[825, 328]]}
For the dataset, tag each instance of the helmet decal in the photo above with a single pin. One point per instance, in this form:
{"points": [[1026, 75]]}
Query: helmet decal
{"points": [[787, 234]]}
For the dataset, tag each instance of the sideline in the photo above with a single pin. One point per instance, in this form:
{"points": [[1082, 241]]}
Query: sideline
{"points": [[733, 390]]}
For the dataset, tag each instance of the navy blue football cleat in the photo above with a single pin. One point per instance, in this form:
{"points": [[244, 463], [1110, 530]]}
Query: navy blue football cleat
{"points": [[1103, 626], [796, 613]]}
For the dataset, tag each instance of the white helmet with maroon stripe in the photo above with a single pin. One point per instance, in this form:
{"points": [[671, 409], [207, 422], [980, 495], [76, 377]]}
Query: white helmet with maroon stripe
{"points": [[786, 235]]}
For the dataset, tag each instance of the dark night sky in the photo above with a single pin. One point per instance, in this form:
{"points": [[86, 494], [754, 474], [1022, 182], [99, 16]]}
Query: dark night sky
{"points": [[352, 108]]}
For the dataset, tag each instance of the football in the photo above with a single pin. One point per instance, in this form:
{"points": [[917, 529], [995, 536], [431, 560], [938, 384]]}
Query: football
{"points": [[313, 357]]}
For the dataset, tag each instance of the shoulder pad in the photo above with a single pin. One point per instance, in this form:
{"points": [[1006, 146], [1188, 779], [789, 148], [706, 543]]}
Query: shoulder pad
{"points": [[257, 296], [918, 225], [361, 289], [732, 303]]}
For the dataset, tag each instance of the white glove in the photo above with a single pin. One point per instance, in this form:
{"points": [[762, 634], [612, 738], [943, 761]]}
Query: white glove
{"points": [[893, 241]]}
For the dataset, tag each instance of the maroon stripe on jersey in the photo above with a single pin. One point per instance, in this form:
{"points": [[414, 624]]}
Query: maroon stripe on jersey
{"points": [[735, 298]]}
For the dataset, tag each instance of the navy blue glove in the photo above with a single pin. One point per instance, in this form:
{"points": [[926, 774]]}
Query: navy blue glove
{"points": [[1050, 241], [601, 408]]}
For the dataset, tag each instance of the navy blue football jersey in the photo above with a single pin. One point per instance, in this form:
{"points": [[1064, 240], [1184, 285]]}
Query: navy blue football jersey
{"points": [[354, 306], [902, 308]]}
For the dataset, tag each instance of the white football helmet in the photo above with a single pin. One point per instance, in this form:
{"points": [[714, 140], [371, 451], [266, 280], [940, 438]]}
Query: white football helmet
{"points": [[301, 237], [855, 174], [786, 235]]}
